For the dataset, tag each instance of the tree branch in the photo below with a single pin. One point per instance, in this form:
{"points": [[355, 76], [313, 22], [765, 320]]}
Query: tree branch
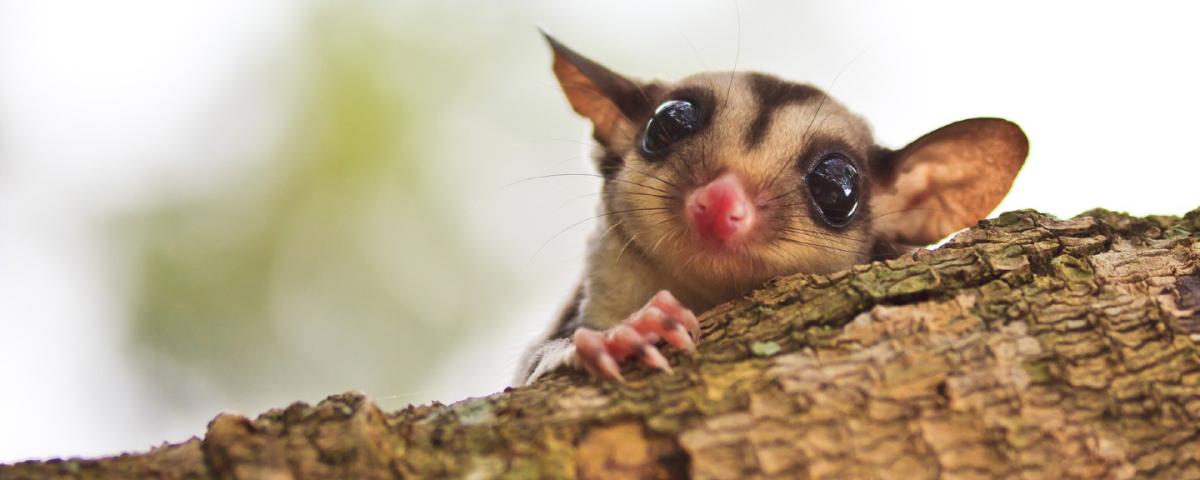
{"points": [[1026, 346]]}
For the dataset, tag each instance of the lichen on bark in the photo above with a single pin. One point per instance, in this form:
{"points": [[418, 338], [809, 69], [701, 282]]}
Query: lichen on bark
{"points": [[1027, 346]]}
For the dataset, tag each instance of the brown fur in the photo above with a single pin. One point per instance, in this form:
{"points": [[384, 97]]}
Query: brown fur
{"points": [[769, 132]]}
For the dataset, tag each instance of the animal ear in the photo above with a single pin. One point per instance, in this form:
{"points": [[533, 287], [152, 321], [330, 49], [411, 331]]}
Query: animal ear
{"points": [[612, 102], [945, 181]]}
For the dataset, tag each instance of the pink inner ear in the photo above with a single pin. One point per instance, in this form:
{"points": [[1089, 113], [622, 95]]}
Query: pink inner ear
{"points": [[587, 100], [948, 180], [595, 92], [915, 212]]}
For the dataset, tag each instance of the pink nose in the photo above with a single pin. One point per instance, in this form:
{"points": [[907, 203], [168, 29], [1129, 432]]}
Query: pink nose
{"points": [[721, 210]]}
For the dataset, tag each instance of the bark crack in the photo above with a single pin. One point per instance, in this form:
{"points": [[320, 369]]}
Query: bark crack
{"points": [[1027, 346]]}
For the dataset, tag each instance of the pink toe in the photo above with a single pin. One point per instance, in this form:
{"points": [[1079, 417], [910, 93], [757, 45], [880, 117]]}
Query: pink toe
{"points": [[592, 351], [624, 341], [672, 308], [648, 320]]}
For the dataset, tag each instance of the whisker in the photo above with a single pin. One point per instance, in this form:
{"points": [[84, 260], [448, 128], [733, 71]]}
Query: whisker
{"points": [[610, 229], [622, 192], [581, 222], [552, 175], [589, 143], [834, 82], [660, 239], [828, 235], [705, 151], [913, 209], [699, 57], [674, 166], [644, 194], [659, 190], [593, 175], [678, 173], [818, 245], [784, 194], [577, 197], [738, 55], [622, 252], [652, 176]]}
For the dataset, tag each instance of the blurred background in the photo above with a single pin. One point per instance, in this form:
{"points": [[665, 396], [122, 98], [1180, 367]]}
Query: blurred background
{"points": [[229, 205]]}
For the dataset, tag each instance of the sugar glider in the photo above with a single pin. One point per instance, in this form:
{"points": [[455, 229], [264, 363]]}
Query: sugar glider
{"points": [[719, 182]]}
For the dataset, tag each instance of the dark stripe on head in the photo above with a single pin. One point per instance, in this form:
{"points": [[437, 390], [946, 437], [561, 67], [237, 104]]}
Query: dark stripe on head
{"points": [[772, 94]]}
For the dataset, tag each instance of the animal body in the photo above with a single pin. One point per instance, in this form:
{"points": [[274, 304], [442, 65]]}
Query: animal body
{"points": [[719, 182]]}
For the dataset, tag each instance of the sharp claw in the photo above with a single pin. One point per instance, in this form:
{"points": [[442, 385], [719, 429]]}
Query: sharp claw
{"points": [[655, 359], [680, 338], [692, 323], [691, 345], [608, 367]]}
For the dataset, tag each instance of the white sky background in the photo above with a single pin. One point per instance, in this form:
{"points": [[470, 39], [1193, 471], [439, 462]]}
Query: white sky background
{"points": [[100, 100]]}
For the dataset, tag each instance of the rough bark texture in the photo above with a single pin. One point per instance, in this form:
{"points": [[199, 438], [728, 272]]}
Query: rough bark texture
{"points": [[1026, 347]]}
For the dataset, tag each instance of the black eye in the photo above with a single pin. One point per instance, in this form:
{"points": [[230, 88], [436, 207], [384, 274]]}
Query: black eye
{"points": [[672, 121], [833, 185]]}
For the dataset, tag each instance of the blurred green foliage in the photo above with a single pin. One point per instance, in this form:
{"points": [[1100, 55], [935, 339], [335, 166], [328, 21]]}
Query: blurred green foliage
{"points": [[330, 265]]}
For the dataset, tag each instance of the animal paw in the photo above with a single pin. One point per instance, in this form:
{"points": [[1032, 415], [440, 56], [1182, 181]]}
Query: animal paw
{"points": [[663, 318]]}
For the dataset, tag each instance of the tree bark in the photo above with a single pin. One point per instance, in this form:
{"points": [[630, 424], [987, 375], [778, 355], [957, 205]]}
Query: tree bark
{"points": [[1025, 347]]}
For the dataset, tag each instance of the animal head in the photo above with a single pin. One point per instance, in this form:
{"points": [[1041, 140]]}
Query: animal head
{"points": [[748, 176]]}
